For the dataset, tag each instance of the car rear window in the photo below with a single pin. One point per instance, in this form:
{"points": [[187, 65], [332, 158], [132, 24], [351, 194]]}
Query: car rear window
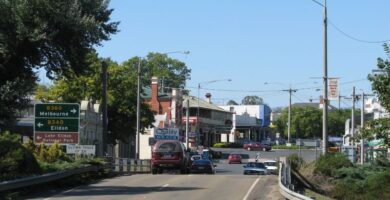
{"points": [[168, 147], [270, 163]]}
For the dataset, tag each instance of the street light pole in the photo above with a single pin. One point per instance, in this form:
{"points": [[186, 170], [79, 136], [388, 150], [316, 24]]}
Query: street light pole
{"points": [[137, 135]]}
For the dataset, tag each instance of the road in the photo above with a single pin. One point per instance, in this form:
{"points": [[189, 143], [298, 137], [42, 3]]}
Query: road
{"points": [[168, 187], [228, 183]]}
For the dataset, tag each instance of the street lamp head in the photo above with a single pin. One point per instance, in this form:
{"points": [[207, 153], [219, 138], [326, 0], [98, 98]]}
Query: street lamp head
{"points": [[229, 80]]}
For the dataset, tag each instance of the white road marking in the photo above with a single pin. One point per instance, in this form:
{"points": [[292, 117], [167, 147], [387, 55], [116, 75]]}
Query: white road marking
{"points": [[164, 186], [250, 189], [57, 195]]}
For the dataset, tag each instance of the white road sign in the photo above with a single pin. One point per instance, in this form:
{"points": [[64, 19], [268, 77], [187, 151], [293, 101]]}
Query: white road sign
{"points": [[80, 149], [333, 89]]}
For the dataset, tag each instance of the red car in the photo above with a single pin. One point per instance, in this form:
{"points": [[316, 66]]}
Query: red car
{"points": [[257, 146], [234, 158], [169, 154]]}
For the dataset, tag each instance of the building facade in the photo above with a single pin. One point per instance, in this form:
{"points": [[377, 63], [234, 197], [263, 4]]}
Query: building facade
{"points": [[250, 122]]}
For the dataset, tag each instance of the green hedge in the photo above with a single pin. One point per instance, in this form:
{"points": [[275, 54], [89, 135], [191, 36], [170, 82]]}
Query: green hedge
{"points": [[329, 164], [295, 161], [15, 160], [227, 145]]}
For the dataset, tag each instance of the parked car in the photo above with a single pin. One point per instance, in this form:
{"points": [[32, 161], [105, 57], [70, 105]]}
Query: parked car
{"points": [[202, 166], [255, 168], [169, 154], [272, 166], [257, 146], [234, 158]]}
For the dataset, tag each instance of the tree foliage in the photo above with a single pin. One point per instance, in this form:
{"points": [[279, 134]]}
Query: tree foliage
{"points": [[252, 100], [336, 121], [231, 102], [380, 83], [49, 34], [171, 72], [121, 93], [305, 122]]}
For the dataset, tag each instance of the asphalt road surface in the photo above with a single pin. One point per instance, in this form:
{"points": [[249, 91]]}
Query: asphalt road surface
{"points": [[168, 187], [228, 183]]}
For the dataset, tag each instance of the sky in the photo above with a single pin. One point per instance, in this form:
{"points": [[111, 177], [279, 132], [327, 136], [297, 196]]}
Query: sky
{"points": [[256, 41]]}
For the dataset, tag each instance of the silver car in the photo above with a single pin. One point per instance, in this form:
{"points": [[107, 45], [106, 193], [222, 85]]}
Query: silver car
{"points": [[255, 168]]}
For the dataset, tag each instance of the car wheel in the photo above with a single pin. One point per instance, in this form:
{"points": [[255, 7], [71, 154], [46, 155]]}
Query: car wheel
{"points": [[249, 149], [264, 149]]}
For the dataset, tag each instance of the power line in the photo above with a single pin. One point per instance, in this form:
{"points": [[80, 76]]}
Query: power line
{"points": [[355, 38], [298, 98], [346, 34]]}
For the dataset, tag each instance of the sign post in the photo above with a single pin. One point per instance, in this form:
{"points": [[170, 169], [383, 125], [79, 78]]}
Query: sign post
{"points": [[57, 122]]}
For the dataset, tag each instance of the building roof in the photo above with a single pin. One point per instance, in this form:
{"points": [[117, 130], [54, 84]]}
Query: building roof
{"points": [[194, 103]]}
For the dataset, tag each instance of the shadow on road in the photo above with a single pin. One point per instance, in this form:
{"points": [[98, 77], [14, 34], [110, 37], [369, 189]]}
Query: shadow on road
{"points": [[123, 190]]}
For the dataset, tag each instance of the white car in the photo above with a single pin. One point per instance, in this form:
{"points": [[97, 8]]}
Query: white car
{"points": [[272, 166]]}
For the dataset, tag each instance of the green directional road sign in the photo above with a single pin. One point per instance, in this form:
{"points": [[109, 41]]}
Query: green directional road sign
{"points": [[57, 122]]}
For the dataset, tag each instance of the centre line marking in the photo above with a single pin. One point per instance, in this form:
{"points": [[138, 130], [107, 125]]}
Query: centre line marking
{"points": [[164, 186], [250, 189]]}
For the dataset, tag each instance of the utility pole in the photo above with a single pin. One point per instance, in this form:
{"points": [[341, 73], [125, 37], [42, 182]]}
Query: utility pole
{"points": [[325, 84], [104, 106], [361, 128], [290, 91], [353, 115], [187, 121]]}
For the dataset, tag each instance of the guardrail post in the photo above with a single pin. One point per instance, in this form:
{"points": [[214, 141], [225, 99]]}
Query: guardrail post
{"points": [[128, 162], [121, 165]]}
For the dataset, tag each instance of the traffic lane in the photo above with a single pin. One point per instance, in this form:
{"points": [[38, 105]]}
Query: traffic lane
{"points": [[307, 154], [266, 189], [165, 187]]}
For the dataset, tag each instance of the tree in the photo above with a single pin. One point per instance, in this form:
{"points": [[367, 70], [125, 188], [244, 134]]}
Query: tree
{"points": [[305, 122], [49, 34], [173, 73], [336, 121], [231, 102], [121, 92], [379, 128], [252, 100]]}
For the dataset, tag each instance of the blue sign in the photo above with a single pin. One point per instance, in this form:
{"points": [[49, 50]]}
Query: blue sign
{"points": [[166, 134]]}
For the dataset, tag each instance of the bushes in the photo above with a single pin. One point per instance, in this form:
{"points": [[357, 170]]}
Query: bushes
{"points": [[375, 186], [329, 163], [15, 159], [295, 161], [227, 145], [50, 154]]}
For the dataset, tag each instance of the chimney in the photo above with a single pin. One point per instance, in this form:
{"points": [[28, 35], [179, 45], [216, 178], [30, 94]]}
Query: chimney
{"points": [[154, 94], [208, 97]]}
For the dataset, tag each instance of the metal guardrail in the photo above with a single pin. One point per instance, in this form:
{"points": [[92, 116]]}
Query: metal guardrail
{"points": [[129, 166], [285, 183], [14, 184]]}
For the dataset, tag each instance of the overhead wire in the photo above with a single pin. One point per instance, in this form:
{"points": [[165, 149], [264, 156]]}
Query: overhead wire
{"points": [[355, 38]]}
